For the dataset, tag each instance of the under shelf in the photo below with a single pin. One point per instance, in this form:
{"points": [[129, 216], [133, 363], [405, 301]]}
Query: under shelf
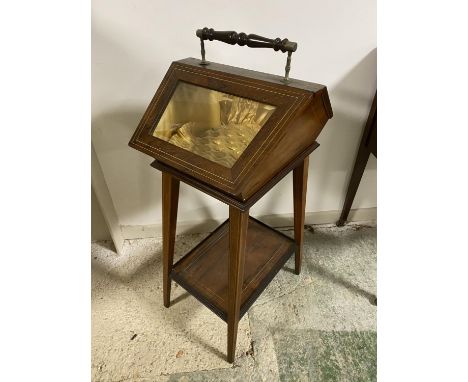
{"points": [[203, 272]]}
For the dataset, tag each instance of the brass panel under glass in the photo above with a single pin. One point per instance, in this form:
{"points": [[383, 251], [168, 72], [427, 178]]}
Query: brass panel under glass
{"points": [[215, 125]]}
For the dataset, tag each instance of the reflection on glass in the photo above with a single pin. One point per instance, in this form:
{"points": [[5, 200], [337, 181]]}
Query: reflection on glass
{"points": [[214, 125]]}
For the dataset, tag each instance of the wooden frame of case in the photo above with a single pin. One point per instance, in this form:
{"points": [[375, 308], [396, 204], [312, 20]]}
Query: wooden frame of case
{"points": [[298, 104]]}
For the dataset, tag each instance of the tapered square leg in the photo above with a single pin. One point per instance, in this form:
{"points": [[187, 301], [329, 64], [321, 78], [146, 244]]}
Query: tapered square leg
{"points": [[170, 201], [299, 190], [358, 171], [367, 146], [238, 222]]}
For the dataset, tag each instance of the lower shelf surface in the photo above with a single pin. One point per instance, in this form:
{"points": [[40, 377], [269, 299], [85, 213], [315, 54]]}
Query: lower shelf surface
{"points": [[204, 270]]}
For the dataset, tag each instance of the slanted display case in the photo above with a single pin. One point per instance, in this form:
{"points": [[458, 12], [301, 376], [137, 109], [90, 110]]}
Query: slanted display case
{"points": [[233, 134]]}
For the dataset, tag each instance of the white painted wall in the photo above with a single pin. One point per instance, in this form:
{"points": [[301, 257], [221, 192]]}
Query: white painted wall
{"points": [[99, 229], [134, 42]]}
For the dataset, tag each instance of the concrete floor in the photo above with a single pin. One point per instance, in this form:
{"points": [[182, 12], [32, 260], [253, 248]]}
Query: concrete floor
{"points": [[318, 326]]}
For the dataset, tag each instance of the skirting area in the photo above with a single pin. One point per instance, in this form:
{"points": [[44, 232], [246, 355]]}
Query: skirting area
{"points": [[282, 220], [319, 326]]}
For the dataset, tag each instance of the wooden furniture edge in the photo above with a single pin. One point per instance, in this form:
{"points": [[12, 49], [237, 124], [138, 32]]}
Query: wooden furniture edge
{"points": [[228, 199]]}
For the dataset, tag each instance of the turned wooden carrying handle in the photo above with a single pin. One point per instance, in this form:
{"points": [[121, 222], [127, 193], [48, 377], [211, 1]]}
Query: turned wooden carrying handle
{"points": [[251, 40]]}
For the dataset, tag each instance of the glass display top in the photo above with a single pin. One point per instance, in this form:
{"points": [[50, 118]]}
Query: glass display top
{"points": [[212, 124]]}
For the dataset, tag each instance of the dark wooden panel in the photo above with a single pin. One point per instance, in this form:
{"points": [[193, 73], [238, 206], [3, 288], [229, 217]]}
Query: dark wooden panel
{"points": [[300, 134], [204, 270]]}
